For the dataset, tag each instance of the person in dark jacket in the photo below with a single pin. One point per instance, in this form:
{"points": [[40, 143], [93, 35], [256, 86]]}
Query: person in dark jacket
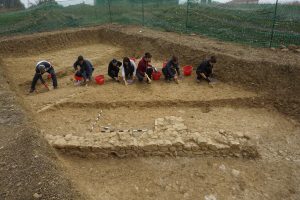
{"points": [[128, 70], [113, 69], [144, 69], [41, 68], [171, 70], [83, 68], [205, 69]]}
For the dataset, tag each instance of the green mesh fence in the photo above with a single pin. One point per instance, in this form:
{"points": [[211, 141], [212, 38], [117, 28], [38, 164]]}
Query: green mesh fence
{"points": [[261, 25]]}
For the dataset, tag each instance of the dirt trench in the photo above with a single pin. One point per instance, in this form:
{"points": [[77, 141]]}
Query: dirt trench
{"points": [[272, 72], [254, 85]]}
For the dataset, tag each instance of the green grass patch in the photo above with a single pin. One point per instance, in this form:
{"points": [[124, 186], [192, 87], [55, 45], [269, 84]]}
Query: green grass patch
{"points": [[247, 24]]}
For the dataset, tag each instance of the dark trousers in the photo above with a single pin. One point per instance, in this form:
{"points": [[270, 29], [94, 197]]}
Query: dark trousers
{"points": [[38, 76], [129, 75], [85, 75], [168, 76], [114, 73], [140, 76]]}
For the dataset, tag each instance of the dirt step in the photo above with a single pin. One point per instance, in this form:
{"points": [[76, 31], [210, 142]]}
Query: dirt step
{"points": [[237, 102]]}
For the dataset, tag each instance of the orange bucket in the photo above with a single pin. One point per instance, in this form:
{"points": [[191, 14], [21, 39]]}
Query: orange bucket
{"points": [[156, 75], [78, 78], [100, 79], [187, 70]]}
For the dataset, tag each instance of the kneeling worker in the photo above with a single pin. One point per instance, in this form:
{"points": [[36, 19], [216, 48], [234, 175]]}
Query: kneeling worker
{"points": [[85, 69], [144, 69], [113, 69], [128, 70], [205, 69], [171, 70], [40, 69]]}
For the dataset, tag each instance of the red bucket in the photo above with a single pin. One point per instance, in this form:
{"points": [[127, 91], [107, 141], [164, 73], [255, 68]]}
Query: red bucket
{"points": [[187, 70], [78, 78], [100, 79], [156, 75]]}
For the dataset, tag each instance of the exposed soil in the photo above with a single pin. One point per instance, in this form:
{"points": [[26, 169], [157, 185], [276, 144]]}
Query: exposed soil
{"points": [[28, 165], [164, 178], [257, 93], [262, 70]]}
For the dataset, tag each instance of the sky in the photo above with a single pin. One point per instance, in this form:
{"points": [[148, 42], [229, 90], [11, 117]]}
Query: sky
{"points": [[63, 2], [72, 2]]}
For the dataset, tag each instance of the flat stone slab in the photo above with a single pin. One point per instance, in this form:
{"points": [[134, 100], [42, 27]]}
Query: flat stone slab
{"points": [[169, 137]]}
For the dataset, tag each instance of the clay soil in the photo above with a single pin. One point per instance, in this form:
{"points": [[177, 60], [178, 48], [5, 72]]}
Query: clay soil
{"points": [[265, 107]]}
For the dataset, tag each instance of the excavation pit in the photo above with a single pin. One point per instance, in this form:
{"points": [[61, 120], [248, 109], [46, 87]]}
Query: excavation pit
{"points": [[163, 141]]}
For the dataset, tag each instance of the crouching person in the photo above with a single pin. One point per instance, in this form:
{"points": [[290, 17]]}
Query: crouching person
{"points": [[205, 69], [171, 71], [144, 69], [41, 68], [113, 69], [128, 70], [83, 68]]}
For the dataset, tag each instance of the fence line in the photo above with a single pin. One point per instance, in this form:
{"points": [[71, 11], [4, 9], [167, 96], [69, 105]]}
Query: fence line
{"points": [[262, 25]]}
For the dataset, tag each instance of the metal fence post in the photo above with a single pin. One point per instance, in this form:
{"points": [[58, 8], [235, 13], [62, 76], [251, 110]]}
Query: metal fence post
{"points": [[187, 15], [110, 19], [143, 12], [273, 25]]}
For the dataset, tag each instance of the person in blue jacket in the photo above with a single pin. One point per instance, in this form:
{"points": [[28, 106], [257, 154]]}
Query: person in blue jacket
{"points": [[83, 68], [171, 70], [41, 68]]}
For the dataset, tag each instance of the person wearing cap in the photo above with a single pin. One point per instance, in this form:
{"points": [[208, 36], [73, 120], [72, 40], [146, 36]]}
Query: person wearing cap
{"points": [[41, 68], [205, 69], [144, 69], [171, 70], [128, 70], [113, 69], [83, 68]]}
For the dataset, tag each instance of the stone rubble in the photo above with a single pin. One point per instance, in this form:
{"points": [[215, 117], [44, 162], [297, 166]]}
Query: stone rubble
{"points": [[210, 197], [170, 137], [222, 168], [235, 172], [37, 196]]}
